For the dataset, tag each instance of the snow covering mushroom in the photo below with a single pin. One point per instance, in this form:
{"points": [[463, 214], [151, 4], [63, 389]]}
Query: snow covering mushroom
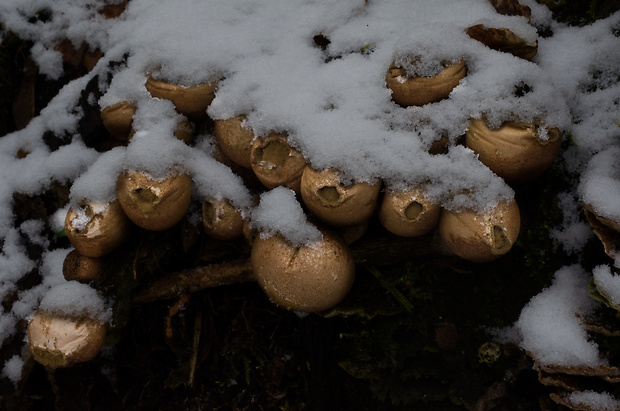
{"points": [[481, 236], [69, 327], [94, 228], [151, 203], [192, 101], [411, 90], [517, 152], [307, 278]]}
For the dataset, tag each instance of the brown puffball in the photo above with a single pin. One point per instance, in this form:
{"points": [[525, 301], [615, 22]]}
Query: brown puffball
{"points": [[335, 203], [418, 91], [62, 340], [96, 229], [78, 267], [235, 140], [481, 237], [276, 163], [117, 119], [221, 220], [308, 278], [192, 101], [515, 151], [504, 40], [154, 204], [408, 213]]}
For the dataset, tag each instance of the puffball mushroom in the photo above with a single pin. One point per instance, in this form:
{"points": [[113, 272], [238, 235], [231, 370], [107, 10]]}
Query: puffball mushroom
{"points": [[221, 220], [335, 203], [192, 101], [517, 152], [96, 229], [308, 278], [417, 90], [183, 132], [151, 203], [235, 140], [117, 119], [59, 339], [80, 268], [407, 212], [276, 163], [481, 236], [504, 40]]}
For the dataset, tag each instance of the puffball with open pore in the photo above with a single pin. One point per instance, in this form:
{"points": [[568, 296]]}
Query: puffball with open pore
{"points": [[417, 90], [96, 229], [335, 203], [481, 236], [59, 340], [151, 203], [276, 163], [192, 101], [308, 278], [517, 152], [235, 140], [407, 212], [221, 220]]}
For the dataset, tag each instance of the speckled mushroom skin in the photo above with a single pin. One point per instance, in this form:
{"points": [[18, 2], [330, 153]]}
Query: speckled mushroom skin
{"points": [[337, 204], [481, 237], [309, 278], [153, 204], [102, 229], [234, 139], [221, 220], [514, 151], [407, 212], [418, 91], [60, 340]]}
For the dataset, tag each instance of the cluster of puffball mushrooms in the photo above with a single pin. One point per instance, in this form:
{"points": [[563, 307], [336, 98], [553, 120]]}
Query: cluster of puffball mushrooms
{"points": [[305, 278]]}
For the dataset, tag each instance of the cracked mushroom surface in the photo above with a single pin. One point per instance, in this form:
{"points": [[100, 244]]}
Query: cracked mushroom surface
{"points": [[409, 90], [481, 236], [151, 203], [517, 152], [308, 278], [96, 229], [221, 220], [59, 340], [335, 203]]}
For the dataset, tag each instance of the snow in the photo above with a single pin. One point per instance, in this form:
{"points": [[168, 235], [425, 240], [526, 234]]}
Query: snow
{"points": [[601, 401], [607, 283], [549, 325], [336, 110]]}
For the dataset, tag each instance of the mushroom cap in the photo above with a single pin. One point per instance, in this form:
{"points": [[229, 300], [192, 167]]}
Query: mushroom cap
{"points": [[117, 119], [335, 203], [192, 101], [418, 91], [80, 268], [408, 213], [183, 132], [221, 220], [154, 204], [96, 229], [235, 140], [515, 151], [504, 40], [309, 278], [481, 237], [276, 163], [62, 340]]}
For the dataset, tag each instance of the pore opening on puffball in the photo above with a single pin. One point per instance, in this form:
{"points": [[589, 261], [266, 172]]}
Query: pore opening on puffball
{"points": [[414, 210]]}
